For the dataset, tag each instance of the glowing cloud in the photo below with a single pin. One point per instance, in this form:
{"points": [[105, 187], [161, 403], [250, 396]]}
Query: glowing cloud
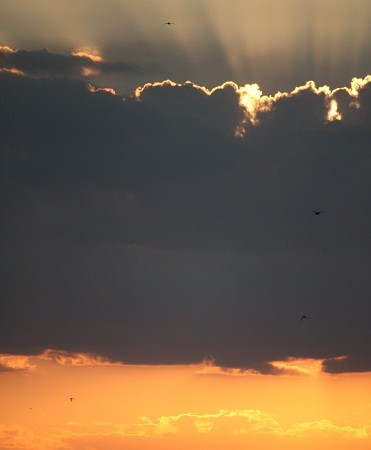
{"points": [[13, 71], [76, 359], [93, 89], [88, 53], [252, 101], [333, 113], [15, 362], [299, 366], [204, 423], [44, 63], [326, 427], [288, 367], [5, 49]]}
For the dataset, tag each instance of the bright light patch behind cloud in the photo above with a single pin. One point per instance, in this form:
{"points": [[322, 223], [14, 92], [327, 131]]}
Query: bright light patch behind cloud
{"points": [[252, 100], [333, 113], [88, 53], [6, 49], [13, 71]]}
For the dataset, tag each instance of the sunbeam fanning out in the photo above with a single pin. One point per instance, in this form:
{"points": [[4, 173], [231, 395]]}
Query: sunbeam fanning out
{"points": [[274, 44]]}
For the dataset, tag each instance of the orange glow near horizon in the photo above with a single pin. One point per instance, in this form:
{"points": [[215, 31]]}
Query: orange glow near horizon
{"points": [[163, 407]]}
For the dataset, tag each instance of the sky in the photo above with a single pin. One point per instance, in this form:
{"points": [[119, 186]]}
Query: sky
{"points": [[159, 245]]}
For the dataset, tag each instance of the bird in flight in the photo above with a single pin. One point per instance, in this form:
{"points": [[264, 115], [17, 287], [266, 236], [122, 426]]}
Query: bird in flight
{"points": [[317, 213], [168, 23], [71, 398], [303, 317]]}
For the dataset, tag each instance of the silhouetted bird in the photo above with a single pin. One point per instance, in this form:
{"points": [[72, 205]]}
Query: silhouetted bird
{"points": [[317, 213], [71, 398], [168, 23], [303, 317]]}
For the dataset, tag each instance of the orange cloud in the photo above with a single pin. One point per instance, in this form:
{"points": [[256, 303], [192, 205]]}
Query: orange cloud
{"points": [[13, 71], [6, 49], [15, 362], [76, 359], [326, 428], [288, 367], [88, 53], [93, 89], [206, 422], [299, 366], [203, 423], [229, 423]]}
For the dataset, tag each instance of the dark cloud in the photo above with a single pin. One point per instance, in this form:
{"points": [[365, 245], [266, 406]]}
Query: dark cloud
{"points": [[353, 363], [47, 63], [142, 229]]}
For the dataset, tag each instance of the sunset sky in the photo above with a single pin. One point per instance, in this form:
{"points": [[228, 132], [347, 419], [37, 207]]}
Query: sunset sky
{"points": [[159, 244]]}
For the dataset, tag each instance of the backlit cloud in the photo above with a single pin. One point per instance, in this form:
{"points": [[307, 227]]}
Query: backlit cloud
{"points": [[289, 367], [89, 53], [76, 359], [15, 363], [150, 203], [86, 62], [254, 104]]}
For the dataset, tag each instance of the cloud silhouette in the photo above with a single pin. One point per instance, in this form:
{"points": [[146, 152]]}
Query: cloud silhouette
{"points": [[82, 62], [352, 363], [187, 210]]}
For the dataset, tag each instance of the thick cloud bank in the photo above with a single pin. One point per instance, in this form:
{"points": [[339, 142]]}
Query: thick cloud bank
{"points": [[176, 224], [82, 62]]}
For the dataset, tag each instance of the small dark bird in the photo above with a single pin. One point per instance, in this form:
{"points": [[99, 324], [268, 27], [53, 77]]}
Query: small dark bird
{"points": [[317, 213], [303, 317], [168, 23], [71, 398]]}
